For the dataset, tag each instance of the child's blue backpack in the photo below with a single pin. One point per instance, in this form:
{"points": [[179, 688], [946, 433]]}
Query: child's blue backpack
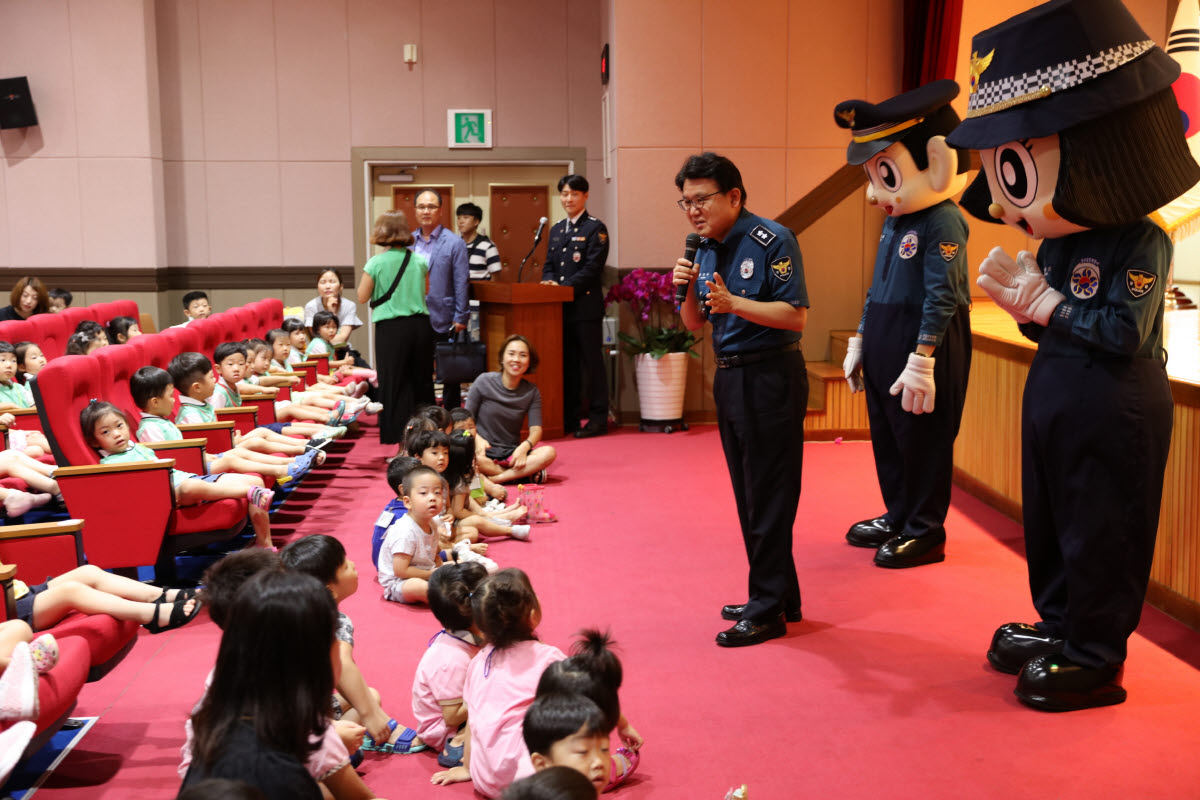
{"points": [[393, 511]]}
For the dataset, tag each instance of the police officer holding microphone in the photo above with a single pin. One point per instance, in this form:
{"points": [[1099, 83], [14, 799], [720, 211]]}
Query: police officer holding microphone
{"points": [[748, 281]]}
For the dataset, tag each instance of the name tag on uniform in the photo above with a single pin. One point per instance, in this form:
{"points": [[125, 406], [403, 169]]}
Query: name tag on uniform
{"points": [[385, 519]]}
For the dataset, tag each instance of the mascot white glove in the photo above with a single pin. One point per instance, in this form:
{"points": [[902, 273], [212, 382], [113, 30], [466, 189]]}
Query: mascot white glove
{"points": [[852, 365], [1019, 287], [917, 383]]}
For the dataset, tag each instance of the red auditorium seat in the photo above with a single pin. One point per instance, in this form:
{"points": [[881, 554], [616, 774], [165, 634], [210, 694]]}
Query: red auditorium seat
{"points": [[15, 330], [74, 315], [107, 312], [117, 535], [51, 334]]}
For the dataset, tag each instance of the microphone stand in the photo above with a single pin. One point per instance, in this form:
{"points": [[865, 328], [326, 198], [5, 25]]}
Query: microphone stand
{"points": [[521, 271]]}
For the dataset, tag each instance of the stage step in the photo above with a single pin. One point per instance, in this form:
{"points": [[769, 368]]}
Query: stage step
{"points": [[832, 410]]}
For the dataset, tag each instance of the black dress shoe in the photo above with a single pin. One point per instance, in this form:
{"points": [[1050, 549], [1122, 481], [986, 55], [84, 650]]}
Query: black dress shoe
{"points": [[747, 632], [1056, 683], [911, 551], [734, 613], [1015, 643], [590, 430], [870, 532]]}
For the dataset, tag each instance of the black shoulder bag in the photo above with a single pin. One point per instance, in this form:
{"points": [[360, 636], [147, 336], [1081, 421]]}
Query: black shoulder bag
{"points": [[391, 289]]}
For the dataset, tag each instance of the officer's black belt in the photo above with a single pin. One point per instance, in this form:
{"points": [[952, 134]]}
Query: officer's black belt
{"points": [[745, 359]]}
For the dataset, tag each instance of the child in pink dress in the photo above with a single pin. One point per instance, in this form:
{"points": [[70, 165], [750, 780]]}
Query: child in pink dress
{"points": [[438, 685], [501, 683]]}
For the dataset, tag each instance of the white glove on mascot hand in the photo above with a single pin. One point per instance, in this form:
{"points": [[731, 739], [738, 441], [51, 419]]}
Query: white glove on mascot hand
{"points": [[1019, 287], [917, 382], [852, 365]]}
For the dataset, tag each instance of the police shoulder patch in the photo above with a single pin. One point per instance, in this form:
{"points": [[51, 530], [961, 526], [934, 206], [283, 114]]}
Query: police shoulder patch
{"points": [[761, 235], [948, 249], [782, 267], [1139, 281]]}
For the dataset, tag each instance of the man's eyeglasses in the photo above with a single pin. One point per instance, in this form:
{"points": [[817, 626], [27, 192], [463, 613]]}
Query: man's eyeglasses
{"points": [[428, 208], [699, 203]]}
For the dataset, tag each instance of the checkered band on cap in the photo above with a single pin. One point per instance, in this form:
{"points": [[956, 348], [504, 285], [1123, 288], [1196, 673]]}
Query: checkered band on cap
{"points": [[992, 96]]}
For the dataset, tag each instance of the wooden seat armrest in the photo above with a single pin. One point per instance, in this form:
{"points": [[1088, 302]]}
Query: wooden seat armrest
{"points": [[257, 396], [206, 426], [105, 469], [287, 374], [40, 529], [21, 412], [237, 410], [176, 444], [8, 572], [312, 364]]}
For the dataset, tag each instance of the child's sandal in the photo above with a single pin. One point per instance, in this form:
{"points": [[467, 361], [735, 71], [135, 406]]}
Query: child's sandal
{"points": [[178, 617], [632, 757], [403, 746]]}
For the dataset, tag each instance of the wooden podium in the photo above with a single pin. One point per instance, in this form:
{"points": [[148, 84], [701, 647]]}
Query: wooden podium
{"points": [[535, 312]]}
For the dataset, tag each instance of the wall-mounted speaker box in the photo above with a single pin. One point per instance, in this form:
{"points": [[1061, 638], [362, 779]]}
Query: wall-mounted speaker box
{"points": [[16, 103]]}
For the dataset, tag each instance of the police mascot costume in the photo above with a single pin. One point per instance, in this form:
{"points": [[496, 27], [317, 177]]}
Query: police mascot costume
{"points": [[912, 354], [1080, 137]]}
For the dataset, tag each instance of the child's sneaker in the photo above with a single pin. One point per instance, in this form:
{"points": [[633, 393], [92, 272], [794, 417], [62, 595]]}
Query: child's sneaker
{"points": [[19, 687], [44, 652], [318, 442], [260, 497], [373, 407], [522, 532], [13, 742], [332, 431]]}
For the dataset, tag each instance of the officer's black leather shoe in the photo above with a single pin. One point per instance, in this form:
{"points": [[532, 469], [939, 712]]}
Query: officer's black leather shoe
{"points": [[870, 532], [912, 551], [747, 632], [1056, 683], [591, 429], [1015, 643], [734, 613]]}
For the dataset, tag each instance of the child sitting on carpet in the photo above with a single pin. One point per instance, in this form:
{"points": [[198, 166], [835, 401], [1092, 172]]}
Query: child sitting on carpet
{"points": [[464, 420], [437, 693], [324, 328], [325, 559], [552, 783], [439, 416], [229, 360], [93, 591], [105, 429], [397, 468], [564, 729], [594, 671], [30, 360], [409, 553], [263, 724], [432, 448], [15, 395], [154, 394], [501, 683], [460, 473], [193, 378]]}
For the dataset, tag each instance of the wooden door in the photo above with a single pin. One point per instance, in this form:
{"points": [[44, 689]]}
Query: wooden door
{"points": [[404, 198], [515, 211]]}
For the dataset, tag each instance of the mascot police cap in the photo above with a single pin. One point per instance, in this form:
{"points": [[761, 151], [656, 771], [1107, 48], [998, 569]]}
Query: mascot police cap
{"points": [[877, 126]]}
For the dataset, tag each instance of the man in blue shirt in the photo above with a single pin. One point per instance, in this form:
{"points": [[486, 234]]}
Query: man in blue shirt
{"points": [[448, 299], [751, 287]]}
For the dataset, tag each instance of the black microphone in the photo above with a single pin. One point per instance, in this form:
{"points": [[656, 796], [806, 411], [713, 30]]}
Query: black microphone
{"points": [[690, 245], [537, 239]]}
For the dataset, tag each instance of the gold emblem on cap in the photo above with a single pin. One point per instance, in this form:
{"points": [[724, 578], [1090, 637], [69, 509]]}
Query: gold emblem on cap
{"points": [[978, 65], [847, 116]]}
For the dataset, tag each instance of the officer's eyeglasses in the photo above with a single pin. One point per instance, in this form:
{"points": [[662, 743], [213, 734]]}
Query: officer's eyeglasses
{"points": [[699, 203]]}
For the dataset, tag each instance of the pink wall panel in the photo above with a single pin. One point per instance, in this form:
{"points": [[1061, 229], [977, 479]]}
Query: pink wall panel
{"points": [[813, 87], [185, 207], [317, 224], [884, 48], [23, 51], [4, 255], [43, 213], [656, 71], [583, 77], [745, 59], [531, 73], [117, 211], [459, 62], [764, 171], [808, 166], [651, 227], [180, 79], [111, 56], [313, 73], [244, 213], [385, 109], [237, 61]]}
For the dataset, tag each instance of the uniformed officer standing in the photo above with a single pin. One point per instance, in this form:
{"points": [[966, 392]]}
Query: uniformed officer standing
{"points": [[575, 257], [751, 286], [915, 332]]}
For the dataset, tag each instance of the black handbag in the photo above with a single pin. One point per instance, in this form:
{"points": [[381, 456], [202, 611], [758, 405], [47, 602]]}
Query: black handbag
{"points": [[460, 360]]}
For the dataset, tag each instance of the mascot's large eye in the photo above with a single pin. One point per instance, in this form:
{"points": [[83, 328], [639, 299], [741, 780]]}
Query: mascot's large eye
{"points": [[889, 174], [1016, 173]]}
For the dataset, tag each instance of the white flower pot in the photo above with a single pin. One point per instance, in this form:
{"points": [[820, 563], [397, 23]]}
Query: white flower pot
{"points": [[661, 384]]}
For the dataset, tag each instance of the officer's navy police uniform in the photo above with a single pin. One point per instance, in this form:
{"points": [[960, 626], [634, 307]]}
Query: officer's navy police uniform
{"points": [[575, 257], [919, 295], [761, 392], [1095, 430]]}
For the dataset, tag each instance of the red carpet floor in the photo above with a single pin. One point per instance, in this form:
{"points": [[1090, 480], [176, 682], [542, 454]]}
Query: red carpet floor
{"points": [[881, 692]]}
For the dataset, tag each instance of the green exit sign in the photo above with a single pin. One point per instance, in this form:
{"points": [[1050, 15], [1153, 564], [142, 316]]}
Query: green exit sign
{"points": [[469, 127]]}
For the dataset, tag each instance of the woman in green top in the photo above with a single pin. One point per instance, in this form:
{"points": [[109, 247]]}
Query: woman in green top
{"points": [[403, 336]]}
